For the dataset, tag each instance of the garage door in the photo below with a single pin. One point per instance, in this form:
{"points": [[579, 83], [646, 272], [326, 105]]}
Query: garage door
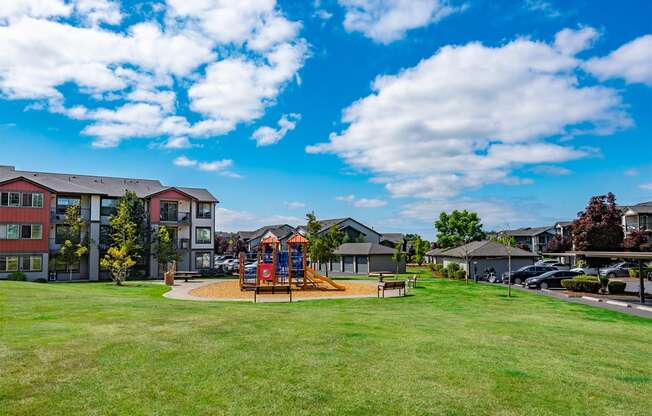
{"points": [[348, 264], [363, 264]]}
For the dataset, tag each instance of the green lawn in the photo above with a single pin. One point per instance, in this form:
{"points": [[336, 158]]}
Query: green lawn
{"points": [[450, 349]]}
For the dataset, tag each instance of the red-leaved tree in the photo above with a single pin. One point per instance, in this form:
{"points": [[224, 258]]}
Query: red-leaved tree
{"points": [[599, 226], [559, 244], [637, 241]]}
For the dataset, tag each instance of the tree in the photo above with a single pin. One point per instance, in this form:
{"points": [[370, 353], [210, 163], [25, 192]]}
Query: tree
{"points": [[75, 244], [420, 248], [599, 226], [164, 249], [124, 248], [137, 215], [460, 227], [222, 243], [509, 242], [398, 255], [637, 240], [559, 244], [321, 247]]}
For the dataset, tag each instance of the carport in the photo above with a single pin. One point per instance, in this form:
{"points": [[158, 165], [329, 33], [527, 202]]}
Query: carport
{"points": [[637, 257]]}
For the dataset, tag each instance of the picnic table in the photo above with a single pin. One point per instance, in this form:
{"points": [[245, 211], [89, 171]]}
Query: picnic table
{"points": [[186, 275], [381, 275]]}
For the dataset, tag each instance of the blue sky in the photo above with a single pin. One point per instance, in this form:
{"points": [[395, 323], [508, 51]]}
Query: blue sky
{"points": [[386, 111]]}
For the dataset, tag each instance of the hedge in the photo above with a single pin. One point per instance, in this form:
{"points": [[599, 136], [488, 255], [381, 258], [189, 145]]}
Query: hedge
{"points": [[460, 274], [17, 276], [616, 287], [588, 284]]}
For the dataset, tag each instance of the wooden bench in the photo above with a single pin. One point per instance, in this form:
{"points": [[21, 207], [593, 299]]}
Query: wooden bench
{"points": [[391, 285], [262, 289], [185, 275]]}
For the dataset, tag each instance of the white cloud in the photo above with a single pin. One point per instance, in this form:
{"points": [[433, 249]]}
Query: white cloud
{"points": [[632, 172], [646, 186], [250, 50], [385, 21], [295, 205], [184, 161], [571, 41], [362, 202], [551, 170], [542, 6], [320, 12], [218, 166], [265, 136], [631, 62], [177, 143], [469, 115]]}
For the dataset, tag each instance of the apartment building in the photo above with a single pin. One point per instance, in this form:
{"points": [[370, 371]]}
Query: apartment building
{"points": [[32, 214]]}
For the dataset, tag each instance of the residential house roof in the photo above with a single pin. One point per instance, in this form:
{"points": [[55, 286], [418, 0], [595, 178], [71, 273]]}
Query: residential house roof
{"points": [[483, 248], [563, 223], [362, 249], [280, 231], [393, 237], [642, 208], [102, 185], [527, 231]]}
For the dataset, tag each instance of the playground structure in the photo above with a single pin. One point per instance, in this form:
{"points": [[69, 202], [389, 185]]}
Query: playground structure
{"points": [[283, 268]]}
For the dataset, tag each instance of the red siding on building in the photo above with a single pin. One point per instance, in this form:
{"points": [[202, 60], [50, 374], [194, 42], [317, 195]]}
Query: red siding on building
{"points": [[155, 203], [23, 215]]}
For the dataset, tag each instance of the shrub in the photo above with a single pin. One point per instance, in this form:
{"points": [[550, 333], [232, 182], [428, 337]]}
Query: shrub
{"points": [[617, 288], [460, 274], [40, 280], [431, 267], [17, 276], [587, 284], [437, 269], [444, 273], [452, 267], [634, 271]]}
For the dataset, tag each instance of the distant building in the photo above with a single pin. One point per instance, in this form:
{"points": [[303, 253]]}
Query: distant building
{"points": [[534, 239]]}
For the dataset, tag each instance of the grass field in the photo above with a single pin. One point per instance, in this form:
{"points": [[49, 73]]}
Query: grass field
{"points": [[450, 349]]}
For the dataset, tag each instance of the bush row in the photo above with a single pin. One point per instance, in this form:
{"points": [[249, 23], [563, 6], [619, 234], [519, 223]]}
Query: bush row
{"points": [[591, 284]]}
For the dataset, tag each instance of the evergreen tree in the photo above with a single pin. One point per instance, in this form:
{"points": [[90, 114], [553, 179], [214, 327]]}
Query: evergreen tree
{"points": [[75, 244]]}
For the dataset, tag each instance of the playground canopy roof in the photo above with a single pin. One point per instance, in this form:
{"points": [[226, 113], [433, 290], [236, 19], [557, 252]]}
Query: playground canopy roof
{"points": [[297, 239], [270, 239]]}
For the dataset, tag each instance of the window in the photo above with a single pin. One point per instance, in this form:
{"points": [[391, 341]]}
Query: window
{"points": [[8, 263], [204, 210], [14, 199], [37, 231], [203, 235], [3, 231], [37, 200], [202, 260], [169, 211], [27, 199], [61, 233], [12, 231], [63, 202], [4, 199], [108, 206], [26, 232]]}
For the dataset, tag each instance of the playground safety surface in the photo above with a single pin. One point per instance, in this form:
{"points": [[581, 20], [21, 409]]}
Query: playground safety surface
{"points": [[230, 290]]}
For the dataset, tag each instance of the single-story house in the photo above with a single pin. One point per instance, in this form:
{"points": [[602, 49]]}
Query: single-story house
{"points": [[362, 259], [483, 255]]}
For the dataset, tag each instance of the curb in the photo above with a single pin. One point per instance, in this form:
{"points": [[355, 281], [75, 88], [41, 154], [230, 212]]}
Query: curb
{"points": [[618, 303]]}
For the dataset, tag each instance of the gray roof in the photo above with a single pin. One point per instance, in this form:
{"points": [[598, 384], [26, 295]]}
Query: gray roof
{"points": [[436, 251], [483, 248], [563, 223], [362, 249], [527, 231], [279, 230], [393, 237], [101, 185], [642, 208]]}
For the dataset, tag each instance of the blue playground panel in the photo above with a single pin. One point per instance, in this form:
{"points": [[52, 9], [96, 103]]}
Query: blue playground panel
{"points": [[282, 267]]}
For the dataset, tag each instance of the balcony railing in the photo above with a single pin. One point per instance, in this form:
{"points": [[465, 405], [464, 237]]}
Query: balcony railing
{"points": [[58, 214], [176, 217]]}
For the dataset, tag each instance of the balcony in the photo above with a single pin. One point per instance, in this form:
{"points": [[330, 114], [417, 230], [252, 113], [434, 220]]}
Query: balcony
{"points": [[182, 244], [175, 217], [58, 214]]}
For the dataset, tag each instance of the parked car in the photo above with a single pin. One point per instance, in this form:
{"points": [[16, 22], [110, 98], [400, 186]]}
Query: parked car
{"points": [[589, 271], [618, 270], [550, 279], [552, 263], [251, 266], [526, 272]]}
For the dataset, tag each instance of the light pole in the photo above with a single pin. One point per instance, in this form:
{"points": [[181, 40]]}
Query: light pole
{"points": [[509, 271]]}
